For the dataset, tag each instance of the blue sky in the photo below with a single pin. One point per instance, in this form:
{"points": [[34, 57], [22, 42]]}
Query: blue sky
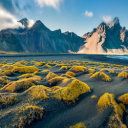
{"points": [[79, 16]]}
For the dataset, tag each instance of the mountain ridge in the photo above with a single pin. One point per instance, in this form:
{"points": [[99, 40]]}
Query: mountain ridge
{"points": [[105, 38]]}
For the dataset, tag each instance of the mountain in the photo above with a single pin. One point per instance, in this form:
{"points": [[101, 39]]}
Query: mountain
{"points": [[39, 39], [106, 38]]}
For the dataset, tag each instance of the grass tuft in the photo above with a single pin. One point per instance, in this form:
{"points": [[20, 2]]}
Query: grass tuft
{"points": [[24, 69], [78, 69], [78, 125], [29, 115], [101, 75]]}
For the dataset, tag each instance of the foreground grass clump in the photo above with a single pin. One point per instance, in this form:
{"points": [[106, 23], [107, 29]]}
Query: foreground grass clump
{"points": [[124, 99], [78, 125], [123, 74], [78, 69], [50, 75], [22, 84], [38, 92], [116, 120], [8, 101], [72, 74], [73, 90], [24, 69], [29, 115], [101, 75]]}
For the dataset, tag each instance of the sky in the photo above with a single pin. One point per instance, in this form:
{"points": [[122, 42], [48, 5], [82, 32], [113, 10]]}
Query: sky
{"points": [[78, 16]]}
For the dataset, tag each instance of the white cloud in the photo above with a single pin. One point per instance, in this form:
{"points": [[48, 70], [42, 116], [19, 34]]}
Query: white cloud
{"points": [[7, 20], [88, 14], [52, 3], [107, 19], [31, 23]]}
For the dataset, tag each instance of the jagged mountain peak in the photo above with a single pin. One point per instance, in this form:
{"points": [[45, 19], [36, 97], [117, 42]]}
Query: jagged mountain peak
{"points": [[24, 22], [39, 26], [115, 24]]}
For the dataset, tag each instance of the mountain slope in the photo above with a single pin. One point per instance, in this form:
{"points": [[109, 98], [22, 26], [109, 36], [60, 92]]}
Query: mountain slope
{"points": [[106, 38], [41, 39]]}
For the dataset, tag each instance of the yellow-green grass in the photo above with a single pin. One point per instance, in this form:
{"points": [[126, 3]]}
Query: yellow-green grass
{"points": [[123, 74], [73, 90], [27, 75], [24, 69], [78, 125], [8, 101], [101, 66], [93, 96], [8, 73], [69, 73], [29, 115], [101, 75], [39, 63], [45, 71], [64, 67], [55, 80], [50, 75], [124, 99], [22, 84], [78, 69], [116, 120], [91, 71], [69, 94], [47, 66], [3, 81], [38, 92]]}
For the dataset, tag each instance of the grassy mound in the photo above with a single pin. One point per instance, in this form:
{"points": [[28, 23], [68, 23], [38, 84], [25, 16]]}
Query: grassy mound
{"points": [[29, 115], [91, 71], [69, 73], [3, 81], [55, 80], [73, 90], [78, 125], [123, 74], [38, 92], [27, 75], [78, 69], [64, 68], [8, 73], [124, 99], [22, 84], [101, 75], [39, 63], [47, 66], [50, 75], [24, 69], [45, 71], [116, 120], [8, 101]]}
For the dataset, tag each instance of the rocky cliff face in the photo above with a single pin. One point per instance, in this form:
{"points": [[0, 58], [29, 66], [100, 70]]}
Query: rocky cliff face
{"points": [[40, 39], [106, 38]]}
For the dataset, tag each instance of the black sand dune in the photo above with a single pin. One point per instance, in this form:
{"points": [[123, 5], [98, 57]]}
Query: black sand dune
{"points": [[39, 93]]}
